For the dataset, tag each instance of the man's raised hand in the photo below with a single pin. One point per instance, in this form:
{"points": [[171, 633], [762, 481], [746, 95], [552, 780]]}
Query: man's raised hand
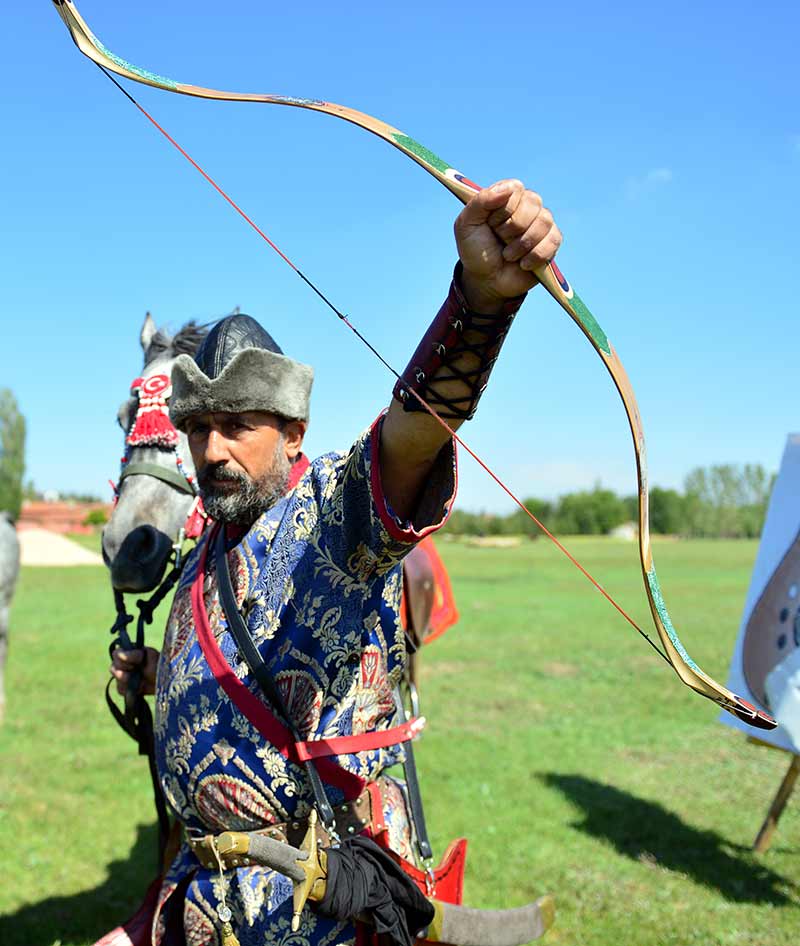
{"points": [[503, 234]]}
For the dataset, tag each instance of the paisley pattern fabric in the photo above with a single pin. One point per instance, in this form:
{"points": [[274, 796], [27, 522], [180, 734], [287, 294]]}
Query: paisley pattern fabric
{"points": [[318, 579]]}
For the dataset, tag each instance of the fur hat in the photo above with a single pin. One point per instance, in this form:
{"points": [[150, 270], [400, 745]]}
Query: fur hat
{"points": [[239, 367]]}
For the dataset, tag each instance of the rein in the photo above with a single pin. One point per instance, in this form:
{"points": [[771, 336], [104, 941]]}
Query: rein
{"points": [[153, 429], [137, 718]]}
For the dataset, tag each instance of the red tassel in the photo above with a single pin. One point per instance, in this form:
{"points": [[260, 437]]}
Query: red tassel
{"points": [[152, 427]]}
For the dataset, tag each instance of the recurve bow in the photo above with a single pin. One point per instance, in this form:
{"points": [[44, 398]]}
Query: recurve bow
{"points": [[550, 277]]}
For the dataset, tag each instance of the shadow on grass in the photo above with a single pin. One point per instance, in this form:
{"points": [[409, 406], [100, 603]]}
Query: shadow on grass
{"points": [[86, 916], [648, 833]]}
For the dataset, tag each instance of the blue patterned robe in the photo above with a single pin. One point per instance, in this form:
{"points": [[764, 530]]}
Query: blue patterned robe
{"points": [[318, 577]]}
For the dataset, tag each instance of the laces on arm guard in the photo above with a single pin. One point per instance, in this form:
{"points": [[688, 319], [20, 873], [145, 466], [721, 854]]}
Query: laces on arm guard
{"points": [[456, 355]]}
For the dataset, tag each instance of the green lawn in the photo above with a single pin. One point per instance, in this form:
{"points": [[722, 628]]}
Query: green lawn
{"points": [[568, 753], [90, 540]]}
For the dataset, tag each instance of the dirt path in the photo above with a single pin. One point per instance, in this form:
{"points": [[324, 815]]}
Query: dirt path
{"points": [[40, 547]]}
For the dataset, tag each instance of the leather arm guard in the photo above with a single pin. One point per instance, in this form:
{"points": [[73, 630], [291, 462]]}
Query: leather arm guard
{"points": [[455, 334]]}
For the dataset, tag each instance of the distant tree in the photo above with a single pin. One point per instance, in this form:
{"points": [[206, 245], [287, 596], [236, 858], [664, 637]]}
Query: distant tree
{"points": [[631, 504], [30, 493], [521, 524], [463, 523], [727, 501], [96, 517], [667, 511], [80, 497], [589, 513], [12, 454], [758, 484]]}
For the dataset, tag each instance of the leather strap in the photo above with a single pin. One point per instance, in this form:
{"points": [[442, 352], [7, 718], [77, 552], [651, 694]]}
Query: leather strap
{"points": [[415, 797], [137, 719], [362, 814], [178, 480], [455, 332], [258, 668]]}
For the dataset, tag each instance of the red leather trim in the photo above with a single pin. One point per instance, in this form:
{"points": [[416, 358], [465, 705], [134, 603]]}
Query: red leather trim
{"points": [[409, 535], [300, 465], [365, 935], [448, 876], [378, 819], [444, 613], [248, 703], [344, 745]]}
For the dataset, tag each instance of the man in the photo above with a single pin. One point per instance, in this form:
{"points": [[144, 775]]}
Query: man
{"points": [[314, 553]]}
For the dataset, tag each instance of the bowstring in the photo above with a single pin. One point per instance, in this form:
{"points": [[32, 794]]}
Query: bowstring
{"points": [[343, 318]]}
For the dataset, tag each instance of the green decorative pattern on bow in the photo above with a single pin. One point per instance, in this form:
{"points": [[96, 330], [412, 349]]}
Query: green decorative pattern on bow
{"points": [[420, 151], [590, 323], [150, 77]]}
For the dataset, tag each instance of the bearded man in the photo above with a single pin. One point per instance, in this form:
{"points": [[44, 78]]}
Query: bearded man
{"points": [[254, 740]]}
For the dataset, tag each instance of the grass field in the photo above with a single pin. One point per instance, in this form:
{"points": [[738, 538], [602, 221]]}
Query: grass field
{"points": [[564, 748]]}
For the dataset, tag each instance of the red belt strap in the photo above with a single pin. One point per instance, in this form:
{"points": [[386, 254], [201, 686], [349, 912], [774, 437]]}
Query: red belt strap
{"points": [[256, 710], [344, 745]]}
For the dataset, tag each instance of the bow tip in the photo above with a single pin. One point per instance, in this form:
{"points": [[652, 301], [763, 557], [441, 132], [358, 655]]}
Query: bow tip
{"points": [[754, 717]]}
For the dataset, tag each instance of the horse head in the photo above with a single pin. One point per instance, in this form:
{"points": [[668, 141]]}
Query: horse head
{"points": [[156, 497]]}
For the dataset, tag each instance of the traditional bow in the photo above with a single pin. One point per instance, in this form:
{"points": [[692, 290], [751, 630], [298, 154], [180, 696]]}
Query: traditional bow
{"points": [[551, 278]]}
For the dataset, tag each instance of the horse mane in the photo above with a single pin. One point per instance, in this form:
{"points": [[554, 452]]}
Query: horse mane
{"points": [[185, 341]]}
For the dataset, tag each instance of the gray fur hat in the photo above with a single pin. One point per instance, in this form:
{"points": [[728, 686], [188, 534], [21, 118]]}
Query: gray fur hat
{"points": [[239, 367]]}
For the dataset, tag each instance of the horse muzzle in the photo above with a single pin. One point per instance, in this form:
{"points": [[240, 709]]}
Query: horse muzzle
{"points": [[139, 563]]}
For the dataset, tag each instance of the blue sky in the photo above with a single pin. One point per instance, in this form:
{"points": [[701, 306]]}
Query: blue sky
{"points": [[665, 139]]}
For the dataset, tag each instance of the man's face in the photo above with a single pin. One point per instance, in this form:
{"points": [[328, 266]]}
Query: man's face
{"points": [[243, 461]]}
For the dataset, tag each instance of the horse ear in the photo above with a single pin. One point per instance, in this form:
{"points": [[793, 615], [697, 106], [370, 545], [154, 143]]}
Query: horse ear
{"points": [[147, 333]]}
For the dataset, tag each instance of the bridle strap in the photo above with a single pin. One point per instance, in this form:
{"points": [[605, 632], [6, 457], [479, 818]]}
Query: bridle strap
{"points": [[178, 480], [137, 718]]}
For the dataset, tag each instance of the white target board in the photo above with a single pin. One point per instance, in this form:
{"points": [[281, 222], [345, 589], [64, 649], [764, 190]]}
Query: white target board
{"points": [[765, 668]]}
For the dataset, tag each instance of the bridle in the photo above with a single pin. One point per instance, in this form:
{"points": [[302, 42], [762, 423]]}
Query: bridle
{"points": [[151, 428]]}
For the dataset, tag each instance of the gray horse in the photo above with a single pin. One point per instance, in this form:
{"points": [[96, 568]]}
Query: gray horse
{"points": [[154, 492], [9, 569]]}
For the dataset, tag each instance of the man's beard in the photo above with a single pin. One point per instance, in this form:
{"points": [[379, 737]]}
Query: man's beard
{"points": [[243, 504]]}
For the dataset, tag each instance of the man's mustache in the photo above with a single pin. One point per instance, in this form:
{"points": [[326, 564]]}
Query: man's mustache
{"points": [[219, 471]]}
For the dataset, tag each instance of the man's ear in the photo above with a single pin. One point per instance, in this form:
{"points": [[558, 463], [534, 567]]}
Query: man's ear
{"points": [[293, 434]]}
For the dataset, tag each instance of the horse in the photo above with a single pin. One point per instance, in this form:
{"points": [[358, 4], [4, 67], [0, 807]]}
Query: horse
{"points": [[9, 570], [156, 494]]}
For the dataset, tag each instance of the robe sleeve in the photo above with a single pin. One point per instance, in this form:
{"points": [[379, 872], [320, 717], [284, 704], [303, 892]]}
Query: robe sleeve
{"points": [[371, 539]]}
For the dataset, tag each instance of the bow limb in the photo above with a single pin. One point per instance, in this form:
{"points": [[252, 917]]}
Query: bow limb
{"points": [[549, 275]]}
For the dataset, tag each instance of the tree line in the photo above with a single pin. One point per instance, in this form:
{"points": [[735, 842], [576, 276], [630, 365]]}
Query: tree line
{"points": [[723, 501]]}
